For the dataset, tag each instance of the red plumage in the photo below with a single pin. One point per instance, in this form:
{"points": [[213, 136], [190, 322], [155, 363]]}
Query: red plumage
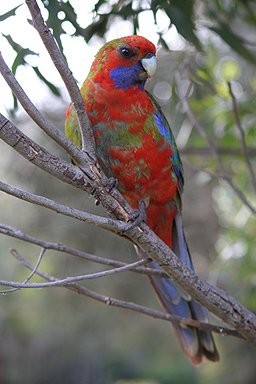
{"points": [[135, 145]]}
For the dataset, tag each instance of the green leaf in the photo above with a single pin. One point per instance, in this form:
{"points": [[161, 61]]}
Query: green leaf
{"points": [[181, 15], [223, 90], [228, 69], [10, 13], [234, 41], [20, 58], [203, 75], [71, 16], [98, 28], [17, 47]]}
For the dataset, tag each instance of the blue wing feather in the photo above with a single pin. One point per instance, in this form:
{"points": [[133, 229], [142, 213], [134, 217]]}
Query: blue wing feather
{"points": [[165, 130]]}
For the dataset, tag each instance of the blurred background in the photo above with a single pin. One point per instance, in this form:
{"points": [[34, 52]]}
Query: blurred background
{"points": [[54, 335]]}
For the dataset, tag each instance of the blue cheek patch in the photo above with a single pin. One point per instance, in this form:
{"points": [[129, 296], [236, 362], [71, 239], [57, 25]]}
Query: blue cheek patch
{"points": [[127, 77]]}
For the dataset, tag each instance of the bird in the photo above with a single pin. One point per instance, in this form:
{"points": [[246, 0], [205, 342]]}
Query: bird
{"points": [[135, 145]]}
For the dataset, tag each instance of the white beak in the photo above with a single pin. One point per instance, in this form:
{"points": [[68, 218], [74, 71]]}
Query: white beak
{"points": [[149, 65]]}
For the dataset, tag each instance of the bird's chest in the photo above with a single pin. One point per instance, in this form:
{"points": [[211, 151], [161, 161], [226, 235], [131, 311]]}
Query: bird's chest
{"points": [[130, 147], [140, 160]]}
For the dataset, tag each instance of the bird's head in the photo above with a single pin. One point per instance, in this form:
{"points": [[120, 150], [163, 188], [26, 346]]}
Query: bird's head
{"points": [[125, 63]]}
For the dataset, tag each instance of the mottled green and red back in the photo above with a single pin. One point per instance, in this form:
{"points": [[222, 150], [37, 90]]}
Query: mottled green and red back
{"points": [[133, 139]]}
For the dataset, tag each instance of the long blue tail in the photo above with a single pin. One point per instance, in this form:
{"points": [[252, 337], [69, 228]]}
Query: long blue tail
{"points": [[197, 345]]}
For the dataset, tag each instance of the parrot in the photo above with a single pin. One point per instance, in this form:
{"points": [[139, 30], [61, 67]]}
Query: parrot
{"points": [[135, 145]]}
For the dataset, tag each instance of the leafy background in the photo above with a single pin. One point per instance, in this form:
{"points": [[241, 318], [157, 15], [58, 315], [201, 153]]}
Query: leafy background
{"points": [[52, 335]]}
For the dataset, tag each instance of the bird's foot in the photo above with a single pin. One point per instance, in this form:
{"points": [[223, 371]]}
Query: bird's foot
{"points": [[137, 217]]}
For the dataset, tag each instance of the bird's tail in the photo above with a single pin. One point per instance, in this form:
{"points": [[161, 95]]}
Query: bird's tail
{"points": [[197, 345]]}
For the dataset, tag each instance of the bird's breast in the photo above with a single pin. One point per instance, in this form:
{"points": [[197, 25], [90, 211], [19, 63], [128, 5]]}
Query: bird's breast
{"points": [[130, 146]]}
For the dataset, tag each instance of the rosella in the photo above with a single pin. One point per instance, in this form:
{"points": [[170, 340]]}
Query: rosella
{"points": [[136, 146]]}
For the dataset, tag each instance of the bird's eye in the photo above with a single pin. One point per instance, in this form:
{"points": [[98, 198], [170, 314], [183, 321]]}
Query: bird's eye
{"points": [[149, 55], [126, 52]]}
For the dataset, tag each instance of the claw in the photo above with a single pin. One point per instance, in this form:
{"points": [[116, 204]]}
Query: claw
{"points": [[110, 184], [137, 217]]}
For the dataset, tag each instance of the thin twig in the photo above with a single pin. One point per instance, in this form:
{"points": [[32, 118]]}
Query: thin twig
{"points": [[134, 307], [207, 138], [43, 159], [68, 280], [36, 266], [102, 222], [13, 232], [38, 118], [149, 312], [30, 275], [84, 123], [242, 136], [93, 184], [203, 81]]}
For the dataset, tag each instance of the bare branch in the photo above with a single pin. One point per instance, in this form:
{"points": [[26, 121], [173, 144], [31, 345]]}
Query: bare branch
{"points": [[241, 132], [36, 266], [92, 182], [84, 123], [68, 280], [102, 222], [13, 232], [38, 118], [215, 300], [30, 275], [43, 159], [135, 307], [207, 138], [192, 117]]}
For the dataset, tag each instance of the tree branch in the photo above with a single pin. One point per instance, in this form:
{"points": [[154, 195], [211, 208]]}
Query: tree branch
{"points": [[43, 159], [212, 148], [68, 280], [112, 201], [39, 119], [84, 123], [135, 307], [13, 232], [241, 132], [30, 275], [102, 222], [217, 301]]}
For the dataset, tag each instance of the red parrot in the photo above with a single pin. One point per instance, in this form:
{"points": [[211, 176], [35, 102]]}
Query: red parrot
{"points": [[135, 145]]}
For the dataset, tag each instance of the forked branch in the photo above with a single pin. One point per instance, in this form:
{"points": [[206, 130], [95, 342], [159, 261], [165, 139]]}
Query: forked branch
{"points": [[53, 281]]}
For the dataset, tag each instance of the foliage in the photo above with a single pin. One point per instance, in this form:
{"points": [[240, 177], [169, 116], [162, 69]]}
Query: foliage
{"points": [[184, 15]]}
